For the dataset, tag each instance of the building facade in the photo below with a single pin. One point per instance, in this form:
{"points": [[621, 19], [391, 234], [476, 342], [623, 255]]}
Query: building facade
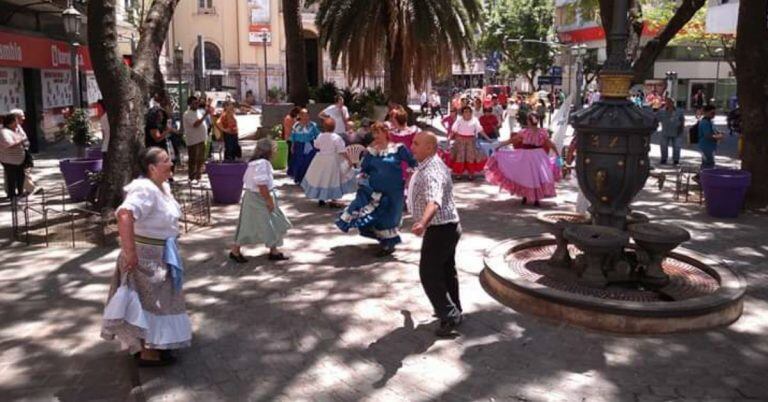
{"points": [[696, 69], [239, 39]]}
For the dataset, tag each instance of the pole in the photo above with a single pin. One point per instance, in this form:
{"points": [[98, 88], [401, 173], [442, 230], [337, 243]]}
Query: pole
{"points": [[75, 65], [717, 79], [266, 84], [181, 107], [579, 85]]}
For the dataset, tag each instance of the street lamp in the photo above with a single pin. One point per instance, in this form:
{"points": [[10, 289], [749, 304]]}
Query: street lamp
{"points": [[178, 59], [717, 72], [578, 51], [672, 85], [264, 38], [72, 21]]}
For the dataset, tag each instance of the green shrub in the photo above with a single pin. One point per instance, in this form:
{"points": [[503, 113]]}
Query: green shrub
{"points": [[325, 93], [77, 128]]}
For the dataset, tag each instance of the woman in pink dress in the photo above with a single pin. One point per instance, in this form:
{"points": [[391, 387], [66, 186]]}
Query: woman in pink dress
{"points": [[525, 171], [401, 133]]}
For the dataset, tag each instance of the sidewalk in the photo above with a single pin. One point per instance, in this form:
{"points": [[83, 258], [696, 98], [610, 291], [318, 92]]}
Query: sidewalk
{"points": [[336, 324]]}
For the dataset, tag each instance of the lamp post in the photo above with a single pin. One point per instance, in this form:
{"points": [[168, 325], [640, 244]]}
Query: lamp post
{"points": [[264, 37], [672, 85], [717, 73], [178, 59], [72, 21], [579, 51]]}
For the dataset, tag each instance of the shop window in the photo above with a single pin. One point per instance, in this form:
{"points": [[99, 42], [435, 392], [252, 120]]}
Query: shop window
{"points": [[205, 7]]}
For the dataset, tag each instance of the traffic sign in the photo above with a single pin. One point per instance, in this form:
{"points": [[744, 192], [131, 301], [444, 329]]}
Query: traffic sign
{"points": [[549, 80], [556, 71]]}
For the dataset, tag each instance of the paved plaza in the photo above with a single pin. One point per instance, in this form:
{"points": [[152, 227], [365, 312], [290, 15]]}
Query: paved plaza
{"points": [[337, 324]]}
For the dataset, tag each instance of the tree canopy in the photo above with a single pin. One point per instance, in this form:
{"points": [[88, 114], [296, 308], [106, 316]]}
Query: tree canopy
{"points": [[509, 21]]}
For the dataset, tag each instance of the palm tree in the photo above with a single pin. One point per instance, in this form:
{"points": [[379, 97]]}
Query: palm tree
{"points": [[296, 59], [417, 39]]}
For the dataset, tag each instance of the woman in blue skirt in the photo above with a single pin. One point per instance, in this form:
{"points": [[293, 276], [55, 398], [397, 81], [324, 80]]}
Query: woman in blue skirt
{"points": [[303, 135], [377, 209]]}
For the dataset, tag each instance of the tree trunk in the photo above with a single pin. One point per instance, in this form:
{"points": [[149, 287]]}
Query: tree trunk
{"points": [[644, 63], [752, 87], [125, 91], [296, 58], [398, 82]]}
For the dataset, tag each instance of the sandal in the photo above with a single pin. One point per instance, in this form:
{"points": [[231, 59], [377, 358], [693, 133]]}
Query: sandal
{"points": [[334, 204], [277, 257], [165, 359]]}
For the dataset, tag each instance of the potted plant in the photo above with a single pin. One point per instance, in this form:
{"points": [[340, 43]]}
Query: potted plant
{"points": [[275, 95], [324, 95], [77, 127]]}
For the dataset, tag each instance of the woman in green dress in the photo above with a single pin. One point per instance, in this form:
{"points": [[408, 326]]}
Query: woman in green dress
{"points": [[261, 220]]}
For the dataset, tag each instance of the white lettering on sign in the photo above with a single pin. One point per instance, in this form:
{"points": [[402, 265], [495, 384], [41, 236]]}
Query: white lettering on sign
{"points": [[10, 51], [61, 58]]}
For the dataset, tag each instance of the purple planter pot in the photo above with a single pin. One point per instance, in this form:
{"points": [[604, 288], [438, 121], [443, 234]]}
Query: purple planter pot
{"points": [[94, 153], [226, 181], [724, 191], [75, 172]]}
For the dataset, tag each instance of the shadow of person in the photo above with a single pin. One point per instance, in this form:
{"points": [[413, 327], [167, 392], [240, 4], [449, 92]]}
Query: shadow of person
{"points": [[391, 349]]}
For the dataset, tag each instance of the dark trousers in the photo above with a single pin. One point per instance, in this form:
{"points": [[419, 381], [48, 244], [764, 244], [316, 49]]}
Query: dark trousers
{"points": [[14, 180], [437, 269], [230, 147], [196, 154], [707, 157]]}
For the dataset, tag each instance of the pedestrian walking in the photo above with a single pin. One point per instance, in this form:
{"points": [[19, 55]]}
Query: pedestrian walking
{"points": [[672, 124], [288, 122], [708, 138], [435, 217], [149, 267], [12, 153], [196, 131], [261, 219]]}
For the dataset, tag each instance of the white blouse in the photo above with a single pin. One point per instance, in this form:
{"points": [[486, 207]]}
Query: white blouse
{"points": [[329, 143], [466, 128], [258, 173], [155, 211]]}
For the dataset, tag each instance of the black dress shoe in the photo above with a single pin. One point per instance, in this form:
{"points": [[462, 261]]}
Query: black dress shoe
{"points": [[385, 251], [321, 203], [278, 257], [238, 258]]}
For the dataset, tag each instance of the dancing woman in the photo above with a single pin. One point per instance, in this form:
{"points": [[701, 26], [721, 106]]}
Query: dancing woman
{"points": [[378, 206], [527, 170]]}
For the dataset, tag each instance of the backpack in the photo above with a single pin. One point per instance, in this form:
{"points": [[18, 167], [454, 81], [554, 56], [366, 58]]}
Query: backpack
{"points": [[693, 133]]}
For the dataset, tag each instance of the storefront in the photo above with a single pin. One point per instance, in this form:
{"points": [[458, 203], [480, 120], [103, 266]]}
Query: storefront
{"points": [[35, 76]]}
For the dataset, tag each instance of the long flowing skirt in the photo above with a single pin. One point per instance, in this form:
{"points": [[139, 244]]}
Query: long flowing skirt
{"points": [[376, 215], [160, 318], [466, 157], [524, 172], [302, 154], [329, 177], [259, 226]]}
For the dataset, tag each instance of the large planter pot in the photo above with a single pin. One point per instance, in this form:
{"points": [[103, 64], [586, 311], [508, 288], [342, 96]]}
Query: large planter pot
{"points": [[280, 159], [75, 172], [94, 153], [724, 191], [226, 181]]}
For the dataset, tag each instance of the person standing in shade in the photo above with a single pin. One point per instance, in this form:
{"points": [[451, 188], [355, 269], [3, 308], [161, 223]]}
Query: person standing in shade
{"points": [[12, 156], [29, 184], [672, 123], [435, 218], [196, 131], [708, 138], [227, 124], [339, 113], [104, 124]]}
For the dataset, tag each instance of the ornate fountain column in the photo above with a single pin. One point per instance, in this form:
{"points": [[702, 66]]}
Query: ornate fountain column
{"points": [[613, 136]]}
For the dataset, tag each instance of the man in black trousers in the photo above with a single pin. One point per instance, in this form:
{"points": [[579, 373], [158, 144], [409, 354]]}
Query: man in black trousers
{"points": [[430, 199]]}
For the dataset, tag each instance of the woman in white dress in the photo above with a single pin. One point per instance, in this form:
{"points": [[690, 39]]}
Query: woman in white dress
{"points": [[329, 176], [149, 263]]}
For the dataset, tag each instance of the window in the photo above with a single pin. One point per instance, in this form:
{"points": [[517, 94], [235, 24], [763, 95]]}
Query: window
{"points": [[205, 4]]}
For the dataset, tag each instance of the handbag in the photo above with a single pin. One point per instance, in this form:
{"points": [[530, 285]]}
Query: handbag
{"points": [[28, 160]]}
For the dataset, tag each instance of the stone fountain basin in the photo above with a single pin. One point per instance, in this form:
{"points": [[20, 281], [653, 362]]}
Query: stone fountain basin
{"points": [[718, 308], [658, 237], [600, 239]]}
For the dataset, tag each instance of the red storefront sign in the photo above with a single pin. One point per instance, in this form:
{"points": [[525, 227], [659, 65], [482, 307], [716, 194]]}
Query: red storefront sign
{"points": [[595, 33], [36, 52]]}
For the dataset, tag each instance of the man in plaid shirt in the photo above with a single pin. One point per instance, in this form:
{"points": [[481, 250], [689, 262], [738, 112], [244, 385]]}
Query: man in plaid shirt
{"points": [[430, 200]]}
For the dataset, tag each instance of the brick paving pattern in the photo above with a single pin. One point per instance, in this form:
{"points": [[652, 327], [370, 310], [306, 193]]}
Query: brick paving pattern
{"points": [[336, 324]]}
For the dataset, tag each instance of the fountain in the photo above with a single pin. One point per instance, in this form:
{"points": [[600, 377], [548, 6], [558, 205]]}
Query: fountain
{"points": [[589, 273]]}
